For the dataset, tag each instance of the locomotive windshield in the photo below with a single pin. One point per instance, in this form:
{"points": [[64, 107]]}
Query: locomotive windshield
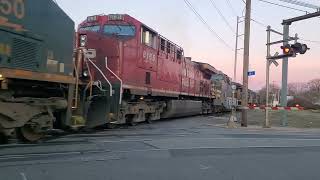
{"points": [[90, 28], [119, 30]]}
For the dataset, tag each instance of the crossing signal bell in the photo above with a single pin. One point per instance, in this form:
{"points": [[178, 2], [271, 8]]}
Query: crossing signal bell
{"points": [[294, 49]]}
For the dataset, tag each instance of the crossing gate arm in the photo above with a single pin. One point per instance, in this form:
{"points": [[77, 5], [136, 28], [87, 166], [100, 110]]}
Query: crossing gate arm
{"points": [[273, 108]]}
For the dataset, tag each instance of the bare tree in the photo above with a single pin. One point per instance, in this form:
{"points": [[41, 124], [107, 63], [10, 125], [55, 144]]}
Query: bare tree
{"points": [[314, 90], [304, 92], [314, 85], [274, 93], [296, 89]]}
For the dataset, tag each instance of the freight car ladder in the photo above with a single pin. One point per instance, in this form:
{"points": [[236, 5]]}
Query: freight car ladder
{"points": [[76, 88], [77, 61]]}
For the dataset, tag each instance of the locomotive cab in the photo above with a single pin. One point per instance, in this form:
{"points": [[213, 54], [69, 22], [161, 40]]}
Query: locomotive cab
{"points": [[107, 35]]}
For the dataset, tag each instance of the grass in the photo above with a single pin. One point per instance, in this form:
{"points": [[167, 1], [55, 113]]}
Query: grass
{"points": [[297, 119]]}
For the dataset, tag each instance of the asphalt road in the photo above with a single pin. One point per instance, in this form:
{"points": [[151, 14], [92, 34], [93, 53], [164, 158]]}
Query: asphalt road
{"points": [[190, 148]]}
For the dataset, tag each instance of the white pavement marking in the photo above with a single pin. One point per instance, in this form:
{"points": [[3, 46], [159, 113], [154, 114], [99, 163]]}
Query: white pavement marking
{"points": [[131, 140], [194, 143], [203, 167], [4, 157], [24, 177]]}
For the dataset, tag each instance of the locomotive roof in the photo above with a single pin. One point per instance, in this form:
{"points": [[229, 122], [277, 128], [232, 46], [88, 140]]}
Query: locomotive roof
{"points": [[127, 17], [207, 68]]}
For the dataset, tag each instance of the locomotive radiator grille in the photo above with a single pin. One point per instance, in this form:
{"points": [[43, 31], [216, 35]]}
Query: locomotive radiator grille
{"points": [[24, 54]]}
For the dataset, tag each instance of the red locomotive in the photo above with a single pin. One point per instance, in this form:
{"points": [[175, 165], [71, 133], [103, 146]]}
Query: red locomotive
{"points": [[156, 80]]}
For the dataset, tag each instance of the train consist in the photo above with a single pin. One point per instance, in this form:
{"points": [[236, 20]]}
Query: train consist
{"points": [[157, 81], [116, 71]]}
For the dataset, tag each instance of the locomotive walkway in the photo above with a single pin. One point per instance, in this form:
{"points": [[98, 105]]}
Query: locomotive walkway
{"points": [[189, 148]]}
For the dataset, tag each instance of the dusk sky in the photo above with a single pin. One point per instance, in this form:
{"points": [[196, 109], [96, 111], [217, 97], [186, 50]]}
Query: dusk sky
{"points": [[174, 20]]}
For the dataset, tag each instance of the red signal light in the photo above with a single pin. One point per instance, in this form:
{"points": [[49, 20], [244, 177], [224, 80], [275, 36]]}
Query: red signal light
{"points": [[294, 49], [286, 50]]}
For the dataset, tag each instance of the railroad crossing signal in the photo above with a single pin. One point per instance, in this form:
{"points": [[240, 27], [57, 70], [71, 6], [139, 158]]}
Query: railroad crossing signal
{"points": [[287, 50], [300, 48], [294, 49]]}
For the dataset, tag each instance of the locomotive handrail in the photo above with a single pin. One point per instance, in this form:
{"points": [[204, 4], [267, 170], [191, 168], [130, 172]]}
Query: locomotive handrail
{"points": [[102, 75], [120, 97], [88, 59], [91, 78], [171, 42]]}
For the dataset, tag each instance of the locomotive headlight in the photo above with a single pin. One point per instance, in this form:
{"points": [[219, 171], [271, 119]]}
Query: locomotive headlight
{"points": [[83, 37], [85, 73], [82, 43], [83, 40]]}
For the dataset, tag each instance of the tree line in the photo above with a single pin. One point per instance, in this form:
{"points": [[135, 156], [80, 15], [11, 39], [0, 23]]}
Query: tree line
{"points": [[307, 93]]}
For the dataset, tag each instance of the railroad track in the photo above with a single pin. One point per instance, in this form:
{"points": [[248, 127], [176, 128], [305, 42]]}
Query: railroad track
{"points": [[53, 135]]}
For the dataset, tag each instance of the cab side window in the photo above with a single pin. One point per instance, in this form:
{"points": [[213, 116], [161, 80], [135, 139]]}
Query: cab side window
{"points": [[148, 37]]}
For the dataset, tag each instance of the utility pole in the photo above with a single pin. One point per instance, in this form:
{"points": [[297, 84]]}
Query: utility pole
{"points": [[284, 86], [236, 52], [267, 122], [244, 120]]}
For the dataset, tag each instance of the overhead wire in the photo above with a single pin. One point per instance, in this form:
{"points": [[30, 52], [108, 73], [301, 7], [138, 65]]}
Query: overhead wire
{"points": [[231, 7], [301, 39], [280, 5], [210, 28], [259, 23], [284, 6], [311, 41], [221, 15], [301, 3]]}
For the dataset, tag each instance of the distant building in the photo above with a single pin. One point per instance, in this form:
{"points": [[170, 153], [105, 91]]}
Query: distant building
{"points": [[289, 98]]}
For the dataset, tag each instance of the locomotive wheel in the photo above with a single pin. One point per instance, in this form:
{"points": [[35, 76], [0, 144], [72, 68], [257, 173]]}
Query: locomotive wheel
{"points": [[132, 123], [148, 121], [27, 134], [111, 126]]}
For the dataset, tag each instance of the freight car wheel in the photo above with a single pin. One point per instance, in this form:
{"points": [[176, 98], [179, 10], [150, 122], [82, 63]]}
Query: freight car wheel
{"points": [[130, 121], [148, 118], [3, 139], [111, 126], [35, 128], [27, 134]]}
